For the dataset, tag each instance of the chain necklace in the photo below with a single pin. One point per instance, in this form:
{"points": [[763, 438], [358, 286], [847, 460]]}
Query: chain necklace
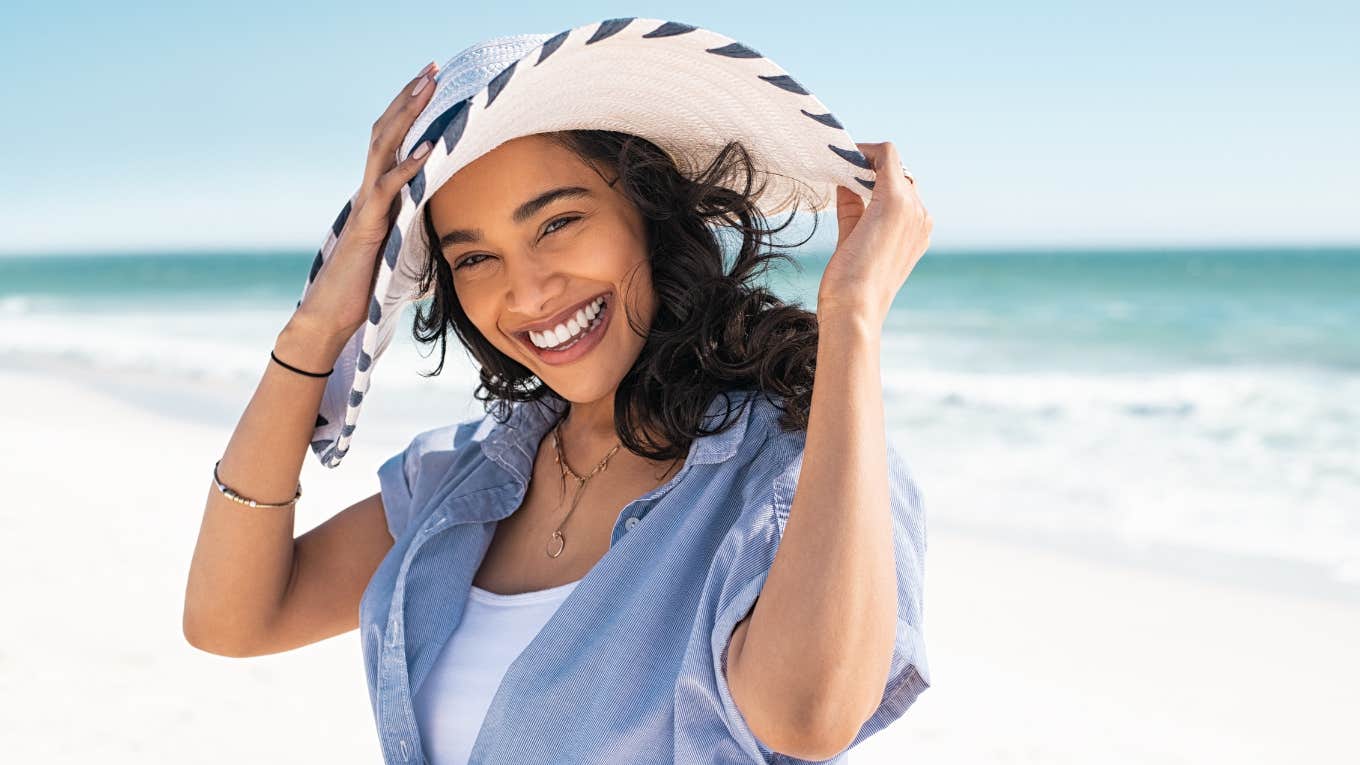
{"points": [[557, 537]]}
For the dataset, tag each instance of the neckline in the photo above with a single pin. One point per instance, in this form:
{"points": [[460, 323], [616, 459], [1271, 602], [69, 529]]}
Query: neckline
{"points": [[513, 444], [522, 598]]}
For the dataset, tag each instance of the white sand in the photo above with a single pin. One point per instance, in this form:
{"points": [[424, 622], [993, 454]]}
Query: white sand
{"points": [[1035, 656]]}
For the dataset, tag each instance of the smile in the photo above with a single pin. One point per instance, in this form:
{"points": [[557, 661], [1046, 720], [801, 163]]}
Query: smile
{"points": [[575, 337]]}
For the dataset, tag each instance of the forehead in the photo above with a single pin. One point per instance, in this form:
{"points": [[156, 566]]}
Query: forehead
{"points": [[512, 170]]}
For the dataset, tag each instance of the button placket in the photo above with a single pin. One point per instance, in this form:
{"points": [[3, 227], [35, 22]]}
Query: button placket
{"points": [[646, 501]]}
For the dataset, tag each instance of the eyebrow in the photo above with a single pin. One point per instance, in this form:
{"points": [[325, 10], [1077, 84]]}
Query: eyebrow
{"points": [[521, 214]]}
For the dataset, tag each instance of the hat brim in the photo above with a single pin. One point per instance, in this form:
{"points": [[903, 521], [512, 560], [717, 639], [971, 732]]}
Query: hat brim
{"points": [[688, 90]]}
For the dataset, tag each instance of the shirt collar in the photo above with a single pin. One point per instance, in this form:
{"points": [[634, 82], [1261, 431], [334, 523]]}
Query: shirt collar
{"points": [[513, 444]]}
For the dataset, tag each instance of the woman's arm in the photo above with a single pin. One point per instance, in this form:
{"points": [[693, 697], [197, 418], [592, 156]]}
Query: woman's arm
{"points": [[814, 658], [246, 563], [811, 664], [243, 560]]}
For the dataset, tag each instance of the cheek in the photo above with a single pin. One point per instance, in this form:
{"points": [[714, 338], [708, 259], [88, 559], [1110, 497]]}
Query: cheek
{"points": [[479, 312]]}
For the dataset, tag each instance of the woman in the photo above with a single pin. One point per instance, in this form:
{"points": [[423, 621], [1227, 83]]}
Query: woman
{"points": [[638, 612]]}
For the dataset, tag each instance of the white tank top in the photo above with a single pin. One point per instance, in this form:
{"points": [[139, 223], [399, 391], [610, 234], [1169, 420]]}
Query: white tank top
{"points": [[453, 700]]}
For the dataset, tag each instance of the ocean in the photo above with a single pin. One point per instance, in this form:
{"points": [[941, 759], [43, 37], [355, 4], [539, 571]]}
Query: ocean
{"points": [[1200, 407]]}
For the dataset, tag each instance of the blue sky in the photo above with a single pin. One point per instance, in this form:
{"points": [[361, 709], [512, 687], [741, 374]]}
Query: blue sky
{"points": [[205, 125]]}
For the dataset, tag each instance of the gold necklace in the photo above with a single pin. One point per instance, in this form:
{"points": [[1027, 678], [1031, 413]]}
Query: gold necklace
{"points": [[557, 537]]}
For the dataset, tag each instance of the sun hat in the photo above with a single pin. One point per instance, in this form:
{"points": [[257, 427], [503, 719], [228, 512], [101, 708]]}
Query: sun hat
{"points": [[686, 89]]}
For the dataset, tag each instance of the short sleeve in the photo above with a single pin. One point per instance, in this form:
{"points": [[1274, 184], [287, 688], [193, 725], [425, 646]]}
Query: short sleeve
{"points": [[403, 477], [747, 555], [396, 477]]}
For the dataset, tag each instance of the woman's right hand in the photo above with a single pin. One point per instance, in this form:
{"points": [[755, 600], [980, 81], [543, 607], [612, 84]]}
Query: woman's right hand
{"points": [[336, 305]]}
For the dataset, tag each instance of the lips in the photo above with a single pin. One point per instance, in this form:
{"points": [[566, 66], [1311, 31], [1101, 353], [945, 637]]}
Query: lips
{"points": [[579, 345], [561, 317]]}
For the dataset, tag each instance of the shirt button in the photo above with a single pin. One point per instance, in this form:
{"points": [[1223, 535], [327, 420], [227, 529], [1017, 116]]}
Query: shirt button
{"points": [[630, 523]]}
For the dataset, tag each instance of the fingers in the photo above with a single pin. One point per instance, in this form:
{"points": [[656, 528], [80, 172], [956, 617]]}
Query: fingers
{"points": [[381, 203], [390, 128], [898, 192], [887, 169], [849, 209], [392, 181]]}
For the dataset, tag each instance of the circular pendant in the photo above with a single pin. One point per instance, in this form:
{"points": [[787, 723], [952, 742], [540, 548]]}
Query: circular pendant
{"points": [[561, 544]]}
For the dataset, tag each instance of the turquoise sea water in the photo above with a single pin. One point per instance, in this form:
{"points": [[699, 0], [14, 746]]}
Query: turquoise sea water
{"points": [[1106, 309], [1200, 398]]}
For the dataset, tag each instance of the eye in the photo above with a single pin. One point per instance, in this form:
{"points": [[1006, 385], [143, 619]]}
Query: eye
{"points": [[472, 260], [469, 260], [564, 220]]}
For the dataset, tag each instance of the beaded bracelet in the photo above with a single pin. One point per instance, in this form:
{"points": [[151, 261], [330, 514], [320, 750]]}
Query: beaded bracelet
{"points": [[234, 496]]}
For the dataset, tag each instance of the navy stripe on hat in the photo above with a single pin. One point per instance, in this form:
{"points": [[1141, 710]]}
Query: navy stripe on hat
{"points": [[735, 50], [417, 186], [853, 157], [826, 119], [493, 88], [609, 28], [552, 44], [393, 247], [670, 29], [787, 83], [340, 219]]}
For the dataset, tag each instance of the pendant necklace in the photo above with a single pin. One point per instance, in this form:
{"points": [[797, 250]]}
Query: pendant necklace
{"points": [[558, 541]]}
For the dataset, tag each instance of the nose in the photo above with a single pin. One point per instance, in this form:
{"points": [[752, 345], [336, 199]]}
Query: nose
{"points": [[531, 286]]}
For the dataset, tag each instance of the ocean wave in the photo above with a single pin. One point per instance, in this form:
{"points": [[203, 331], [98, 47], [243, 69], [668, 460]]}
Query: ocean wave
{"points": [[1247, 458]]}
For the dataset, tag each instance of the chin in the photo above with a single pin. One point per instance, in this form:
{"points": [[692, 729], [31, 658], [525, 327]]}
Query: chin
{"points": [[584, 387]]}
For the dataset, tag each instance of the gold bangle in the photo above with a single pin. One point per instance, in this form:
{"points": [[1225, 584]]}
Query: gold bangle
{"points": [[235, 496]]}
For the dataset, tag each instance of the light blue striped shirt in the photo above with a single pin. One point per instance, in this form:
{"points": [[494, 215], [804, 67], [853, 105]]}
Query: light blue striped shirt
{"points": [[631, 667]]}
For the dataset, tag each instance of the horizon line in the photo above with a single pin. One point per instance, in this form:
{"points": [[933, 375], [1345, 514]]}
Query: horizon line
{"points": [[1026, 248]]}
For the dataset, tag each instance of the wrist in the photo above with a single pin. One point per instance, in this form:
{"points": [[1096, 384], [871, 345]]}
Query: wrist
{"points": [[854, 315], [849, 328], [309, 346]]}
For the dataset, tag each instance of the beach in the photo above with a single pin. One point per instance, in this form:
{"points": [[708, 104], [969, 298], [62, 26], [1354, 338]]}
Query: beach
{"points": [[1123, 377], [1036, 655]]}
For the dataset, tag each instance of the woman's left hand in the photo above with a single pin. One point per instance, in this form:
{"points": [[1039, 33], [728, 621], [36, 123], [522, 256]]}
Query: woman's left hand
{"points": [[878, 245]]}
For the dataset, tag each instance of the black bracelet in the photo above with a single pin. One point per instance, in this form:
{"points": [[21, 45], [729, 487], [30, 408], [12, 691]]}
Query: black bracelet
{"points": [[286, 365]]}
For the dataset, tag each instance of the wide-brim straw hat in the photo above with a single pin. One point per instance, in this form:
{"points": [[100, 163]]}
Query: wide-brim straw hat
{"points": [[686, 89]]}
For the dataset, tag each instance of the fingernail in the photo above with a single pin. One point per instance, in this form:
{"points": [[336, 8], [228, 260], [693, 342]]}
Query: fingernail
{"points": [[420, 86], [427, 68], [421, 150]]}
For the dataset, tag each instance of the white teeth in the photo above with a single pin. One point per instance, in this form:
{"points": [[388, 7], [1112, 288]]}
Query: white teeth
{"points": [[573, 326]]}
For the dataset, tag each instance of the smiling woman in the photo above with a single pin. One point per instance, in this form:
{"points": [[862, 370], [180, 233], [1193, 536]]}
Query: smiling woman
{"points": [[568, 206], [604, 217]]}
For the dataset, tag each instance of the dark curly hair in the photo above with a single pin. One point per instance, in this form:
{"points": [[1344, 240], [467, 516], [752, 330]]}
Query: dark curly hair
{"points": [[716, 329]]}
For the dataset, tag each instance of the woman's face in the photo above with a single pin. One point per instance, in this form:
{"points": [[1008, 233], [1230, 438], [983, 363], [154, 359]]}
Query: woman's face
{"points": [[535, 237]]}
